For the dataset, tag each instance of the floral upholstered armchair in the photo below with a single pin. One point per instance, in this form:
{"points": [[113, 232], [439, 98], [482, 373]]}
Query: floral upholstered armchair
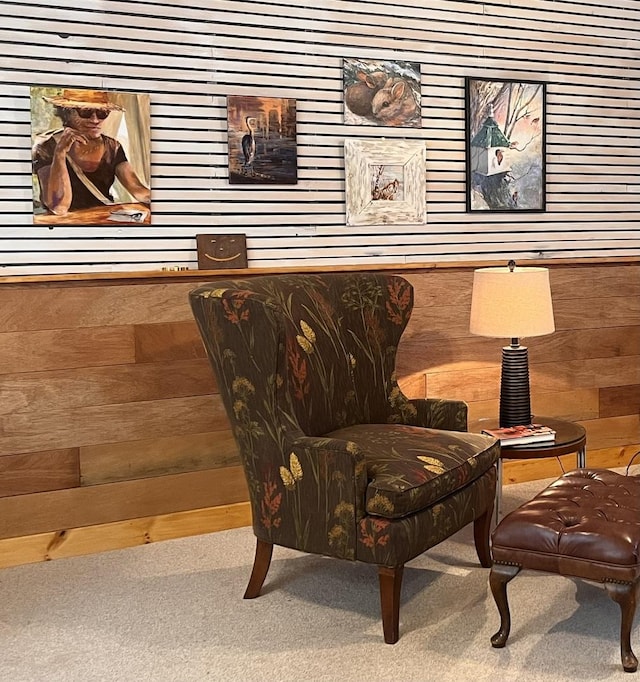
{"points": [[338, 461]]}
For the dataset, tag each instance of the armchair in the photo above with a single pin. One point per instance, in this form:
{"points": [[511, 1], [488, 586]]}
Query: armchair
{"points": [[337, 460]]}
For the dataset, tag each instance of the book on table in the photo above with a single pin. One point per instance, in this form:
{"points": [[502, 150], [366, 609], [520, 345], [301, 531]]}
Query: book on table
{"points": [[525, 434]]}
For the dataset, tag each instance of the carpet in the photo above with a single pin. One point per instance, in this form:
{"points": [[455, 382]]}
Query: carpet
{"points": [[173, 611]]}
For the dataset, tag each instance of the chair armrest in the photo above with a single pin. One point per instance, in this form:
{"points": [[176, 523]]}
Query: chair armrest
{"points": [[332, 487], [435, 413], [334, 461]]}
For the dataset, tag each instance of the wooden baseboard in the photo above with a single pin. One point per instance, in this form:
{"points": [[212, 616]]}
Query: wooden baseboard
{"points": [[134, 532], [520, 471], [109, 536]]}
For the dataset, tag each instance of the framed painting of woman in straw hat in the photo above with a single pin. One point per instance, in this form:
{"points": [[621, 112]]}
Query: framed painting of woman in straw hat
{"points": [[90, 156]]}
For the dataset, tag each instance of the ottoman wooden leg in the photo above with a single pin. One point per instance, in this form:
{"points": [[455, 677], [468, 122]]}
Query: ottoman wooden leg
{"points": [[498, 578], [625, 594]]}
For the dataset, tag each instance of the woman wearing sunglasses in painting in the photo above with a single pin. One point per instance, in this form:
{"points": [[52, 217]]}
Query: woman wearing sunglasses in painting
{"points": [[77, 165]]}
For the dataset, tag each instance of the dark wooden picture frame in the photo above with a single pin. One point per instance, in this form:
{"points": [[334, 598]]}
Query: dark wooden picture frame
{"points": [[505, 145]]}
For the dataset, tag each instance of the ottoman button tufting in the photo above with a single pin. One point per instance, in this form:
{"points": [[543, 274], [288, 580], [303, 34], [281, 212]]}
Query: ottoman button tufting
{"points": [[570, 521]]}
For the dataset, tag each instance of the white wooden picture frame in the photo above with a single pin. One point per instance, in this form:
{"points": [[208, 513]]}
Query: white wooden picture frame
{"points": [[385, 182]]}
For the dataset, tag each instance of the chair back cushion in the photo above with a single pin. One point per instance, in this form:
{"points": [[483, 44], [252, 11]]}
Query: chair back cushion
{"points": [[318, 350]]}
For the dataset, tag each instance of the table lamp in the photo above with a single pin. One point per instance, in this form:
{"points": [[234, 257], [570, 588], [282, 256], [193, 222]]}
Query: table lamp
{"points": [[512, 302]]}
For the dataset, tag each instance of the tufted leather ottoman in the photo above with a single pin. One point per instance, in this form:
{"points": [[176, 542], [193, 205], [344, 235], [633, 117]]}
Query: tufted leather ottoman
{"points": [[584, 525]]}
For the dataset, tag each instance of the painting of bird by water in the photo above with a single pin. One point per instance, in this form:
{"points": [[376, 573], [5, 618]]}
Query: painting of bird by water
{"points": [[249, 145], [262, 140]]}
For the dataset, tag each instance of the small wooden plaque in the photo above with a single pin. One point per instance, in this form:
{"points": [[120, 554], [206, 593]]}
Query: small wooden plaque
{"points": [[221, 251]]}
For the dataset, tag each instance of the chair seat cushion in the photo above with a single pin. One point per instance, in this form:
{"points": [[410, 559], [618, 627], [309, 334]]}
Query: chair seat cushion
{"points": [[410, 468]]}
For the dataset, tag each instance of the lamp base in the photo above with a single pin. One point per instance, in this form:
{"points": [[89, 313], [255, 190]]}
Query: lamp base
{"points": [[515, 402]]}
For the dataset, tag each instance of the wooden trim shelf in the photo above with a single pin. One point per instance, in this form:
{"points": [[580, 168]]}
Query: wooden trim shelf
{"points": [[145, 277]]}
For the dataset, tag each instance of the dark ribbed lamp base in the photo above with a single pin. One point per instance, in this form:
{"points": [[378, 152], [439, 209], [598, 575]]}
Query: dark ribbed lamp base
{"points": [[515, 403]]}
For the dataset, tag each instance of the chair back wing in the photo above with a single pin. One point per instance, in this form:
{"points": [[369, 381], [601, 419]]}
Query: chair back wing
{"points": [[305, 354]]}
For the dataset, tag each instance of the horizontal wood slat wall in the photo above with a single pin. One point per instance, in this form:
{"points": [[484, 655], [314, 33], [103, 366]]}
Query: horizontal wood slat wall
{"points": [[96, 437], [190, 56]]}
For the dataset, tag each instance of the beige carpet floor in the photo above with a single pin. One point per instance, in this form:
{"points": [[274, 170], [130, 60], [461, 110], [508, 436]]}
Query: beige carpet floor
{"points": [[174, 611]]}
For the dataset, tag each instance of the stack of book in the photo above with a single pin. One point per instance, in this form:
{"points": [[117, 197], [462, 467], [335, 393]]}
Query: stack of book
{"points": [[526, 434]]}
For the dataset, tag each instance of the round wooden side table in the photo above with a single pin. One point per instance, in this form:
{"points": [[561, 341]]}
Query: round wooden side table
{"points": [[570, 437]]}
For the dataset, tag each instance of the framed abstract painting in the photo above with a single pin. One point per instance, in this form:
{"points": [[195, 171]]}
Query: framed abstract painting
{"points": [[505, 145]]}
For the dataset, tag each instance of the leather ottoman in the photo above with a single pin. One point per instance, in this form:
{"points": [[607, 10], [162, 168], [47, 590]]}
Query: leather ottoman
{"points": [[584, 525]]}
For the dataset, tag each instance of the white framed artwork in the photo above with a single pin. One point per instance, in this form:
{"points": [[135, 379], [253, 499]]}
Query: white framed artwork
{"points": [[385, 182]]}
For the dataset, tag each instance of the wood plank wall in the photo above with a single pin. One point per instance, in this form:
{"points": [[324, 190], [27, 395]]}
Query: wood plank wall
{"points": [[190, 55], [110, 419]]}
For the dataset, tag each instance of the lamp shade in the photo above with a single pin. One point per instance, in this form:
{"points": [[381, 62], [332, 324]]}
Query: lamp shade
{"points": [[511, 302]]}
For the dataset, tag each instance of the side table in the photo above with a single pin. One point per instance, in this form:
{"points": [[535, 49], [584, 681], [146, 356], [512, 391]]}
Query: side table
{"points": [[570, 437]]}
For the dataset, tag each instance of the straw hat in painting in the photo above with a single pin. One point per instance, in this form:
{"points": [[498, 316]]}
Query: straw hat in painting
{"points": [[83, 99]]}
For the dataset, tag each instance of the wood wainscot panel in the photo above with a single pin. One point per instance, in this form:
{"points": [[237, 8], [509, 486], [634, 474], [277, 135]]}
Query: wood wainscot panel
{"points": [[94, 425], [39, 471], [61, 510], [578, 345], [115, 373], [168, 341], [65, 348], [436, 288], [157, 457], [428, 351], [610, 458], [600, 281], [465, 384], [619, 400], [519, 471], [431, 352], [412, 385], [81, 387], [547, 377], [481, 413], [445, 322], [38, 308], [594, 313], [589, 373], [612, 431], [574, 405], [134, 532]]}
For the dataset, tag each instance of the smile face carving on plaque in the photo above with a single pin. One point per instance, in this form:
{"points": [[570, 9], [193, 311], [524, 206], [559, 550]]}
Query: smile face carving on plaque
{"points": [[221, 251]]}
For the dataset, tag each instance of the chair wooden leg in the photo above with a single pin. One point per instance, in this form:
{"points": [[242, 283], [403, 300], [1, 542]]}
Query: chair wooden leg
{"points": [[481, 531], [625, 596], [390, 585], [498, 578], [261, 564]]}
